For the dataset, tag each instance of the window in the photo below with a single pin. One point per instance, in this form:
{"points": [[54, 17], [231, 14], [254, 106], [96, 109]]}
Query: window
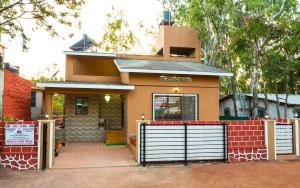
{"points": [[227, 111], [182, 52], [33, 98], [82, 105], [260, 112], [174, 107]]}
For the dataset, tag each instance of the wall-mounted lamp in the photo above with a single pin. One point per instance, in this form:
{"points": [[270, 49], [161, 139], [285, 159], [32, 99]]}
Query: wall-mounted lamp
{"points": [[107, 98], [266, 116], [143, 116], [175, 89], [296, 115], [46, 115]]}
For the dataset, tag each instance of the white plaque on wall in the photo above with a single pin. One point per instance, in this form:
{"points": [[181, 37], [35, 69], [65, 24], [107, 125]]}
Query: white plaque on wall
{"points": [[19, 134]]}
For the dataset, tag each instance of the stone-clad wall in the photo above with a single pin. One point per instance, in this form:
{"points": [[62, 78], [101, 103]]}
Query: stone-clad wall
{"points": [[111, 111], [125, 115], [83, 127]]}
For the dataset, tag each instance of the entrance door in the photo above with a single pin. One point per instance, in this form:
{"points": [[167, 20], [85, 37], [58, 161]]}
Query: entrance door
{"points": [[45, 146]]}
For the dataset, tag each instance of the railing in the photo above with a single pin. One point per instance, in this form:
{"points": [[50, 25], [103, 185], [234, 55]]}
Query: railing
{"points": [[182, 143]]}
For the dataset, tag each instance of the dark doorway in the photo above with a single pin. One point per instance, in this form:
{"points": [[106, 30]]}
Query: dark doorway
{"points": [[44, 157]]}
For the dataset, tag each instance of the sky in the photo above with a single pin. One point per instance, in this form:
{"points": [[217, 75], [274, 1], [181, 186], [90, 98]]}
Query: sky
{"points": [[45, 50]]}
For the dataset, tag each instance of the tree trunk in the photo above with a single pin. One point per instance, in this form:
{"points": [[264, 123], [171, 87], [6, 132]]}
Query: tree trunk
{"points": [[233, 89], [286, 88], [266, 111], [254, 78], [285, 105], [277, 103]]}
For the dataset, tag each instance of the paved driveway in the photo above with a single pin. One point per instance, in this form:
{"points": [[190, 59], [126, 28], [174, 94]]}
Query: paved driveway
{"points": [[240, 175], [93, 154]]}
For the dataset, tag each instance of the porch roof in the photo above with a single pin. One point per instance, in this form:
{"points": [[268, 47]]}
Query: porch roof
{"points": [[168, 67], [86, 85]]}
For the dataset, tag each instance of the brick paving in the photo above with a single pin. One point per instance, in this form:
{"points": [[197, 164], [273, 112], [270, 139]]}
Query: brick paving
{"points": [[93, 155], [240, 175]]}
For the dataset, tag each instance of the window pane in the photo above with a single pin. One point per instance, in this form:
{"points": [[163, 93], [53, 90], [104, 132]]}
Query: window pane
{"points": [[33, 98], [160, 107], [82, 105], [174, 108], [188, 108]]}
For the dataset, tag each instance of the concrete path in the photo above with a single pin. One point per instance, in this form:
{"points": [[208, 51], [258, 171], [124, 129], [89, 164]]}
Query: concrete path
{"points": [[93, 154], [240, 175]]}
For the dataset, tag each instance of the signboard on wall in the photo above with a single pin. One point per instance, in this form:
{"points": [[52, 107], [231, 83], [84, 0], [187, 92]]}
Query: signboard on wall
{"points": [[175, 79], [19, 134]]}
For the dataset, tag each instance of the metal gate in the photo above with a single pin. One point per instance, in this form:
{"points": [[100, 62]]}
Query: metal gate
{"points": [[284, 138], [164, 143]]}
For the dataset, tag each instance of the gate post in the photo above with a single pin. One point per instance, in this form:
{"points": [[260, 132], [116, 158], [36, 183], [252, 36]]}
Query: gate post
{"points": [[46, 152], [295, 123], [270, 138]]}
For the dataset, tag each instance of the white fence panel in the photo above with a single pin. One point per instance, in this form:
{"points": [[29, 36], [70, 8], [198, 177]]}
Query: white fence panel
{"points": [[161, 143], [284, 139]]}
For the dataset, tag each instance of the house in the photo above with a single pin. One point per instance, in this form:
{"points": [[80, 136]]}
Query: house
{"points": [[244, 105], [37, 94], [106, 93]]}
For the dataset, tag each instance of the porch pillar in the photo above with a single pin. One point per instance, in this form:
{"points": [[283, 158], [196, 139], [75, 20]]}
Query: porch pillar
{"points": [[48, 103]]}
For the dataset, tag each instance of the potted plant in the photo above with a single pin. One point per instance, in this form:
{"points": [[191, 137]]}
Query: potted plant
{"points": [[57, 147]]}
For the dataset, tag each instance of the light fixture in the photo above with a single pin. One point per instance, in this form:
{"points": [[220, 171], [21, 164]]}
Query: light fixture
{"points": [[107, 98], [296, 115], [266, 116], [46, 115], [143, 116], [176, 89]]}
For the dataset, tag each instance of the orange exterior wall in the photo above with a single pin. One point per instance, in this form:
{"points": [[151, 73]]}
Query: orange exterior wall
{"points": [[140, 99], [91, 69], [174, 36]]}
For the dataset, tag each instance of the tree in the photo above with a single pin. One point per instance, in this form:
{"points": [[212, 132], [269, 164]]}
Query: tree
{"points": [[14, 16], [242, 37], [117, 36], [213, 20], [50, 74]]}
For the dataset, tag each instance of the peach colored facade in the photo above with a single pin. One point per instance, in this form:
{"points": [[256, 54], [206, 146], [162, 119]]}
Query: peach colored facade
{"points": [[93, 68]]}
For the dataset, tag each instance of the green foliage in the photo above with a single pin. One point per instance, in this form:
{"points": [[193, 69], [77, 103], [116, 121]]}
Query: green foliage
{"points": [[50, 74], [242, 36], [14, 16], [58, 104], [117, 37], [8, 118]]}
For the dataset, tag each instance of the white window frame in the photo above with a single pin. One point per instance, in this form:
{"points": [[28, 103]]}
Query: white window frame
{"points": [[175, 95]]}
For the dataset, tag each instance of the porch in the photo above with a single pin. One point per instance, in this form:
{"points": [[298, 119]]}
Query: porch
{"points": [[93, 155], [92, 111]]}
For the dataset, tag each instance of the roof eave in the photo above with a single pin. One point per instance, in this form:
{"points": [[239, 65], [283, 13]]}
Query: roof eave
{"points": [[175, 72], [95, 54], [86, 86]]}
